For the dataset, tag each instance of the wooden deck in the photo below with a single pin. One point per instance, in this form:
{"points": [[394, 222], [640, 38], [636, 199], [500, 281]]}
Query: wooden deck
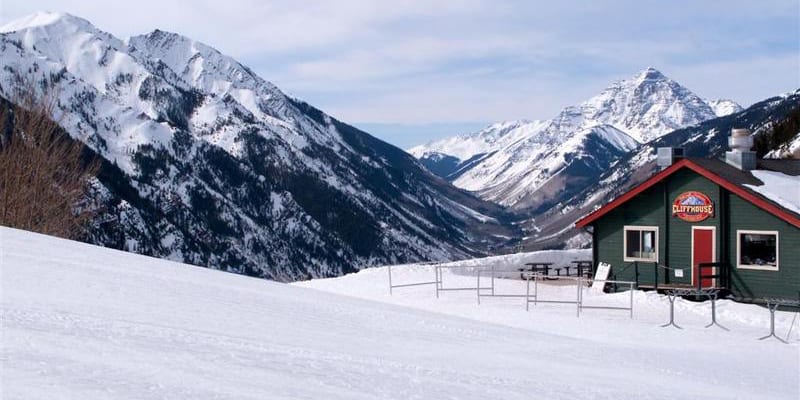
{"points": [[667, 286]]}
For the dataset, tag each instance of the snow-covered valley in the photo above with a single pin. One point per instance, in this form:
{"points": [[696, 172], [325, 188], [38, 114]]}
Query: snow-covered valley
{"points": [[208, 163], [80, 321]]}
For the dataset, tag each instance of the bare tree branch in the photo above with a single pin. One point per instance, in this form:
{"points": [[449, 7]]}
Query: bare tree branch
{"points": [[43, 175]]}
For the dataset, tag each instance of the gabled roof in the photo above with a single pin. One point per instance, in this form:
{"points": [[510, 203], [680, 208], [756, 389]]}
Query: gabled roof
{"points": [[719, 172]]}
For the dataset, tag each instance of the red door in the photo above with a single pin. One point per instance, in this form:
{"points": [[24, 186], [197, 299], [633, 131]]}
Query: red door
{"points": [[702, 252]]}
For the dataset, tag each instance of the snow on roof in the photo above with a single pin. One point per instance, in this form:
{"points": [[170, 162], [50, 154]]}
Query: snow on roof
{"points": [[780, 188]]}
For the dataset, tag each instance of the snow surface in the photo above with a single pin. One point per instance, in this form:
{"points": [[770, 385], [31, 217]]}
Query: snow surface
{"points": [[780, 188], [86, 322]]}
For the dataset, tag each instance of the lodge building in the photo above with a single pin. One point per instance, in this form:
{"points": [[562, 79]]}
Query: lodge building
{"points": [[731, 224]]}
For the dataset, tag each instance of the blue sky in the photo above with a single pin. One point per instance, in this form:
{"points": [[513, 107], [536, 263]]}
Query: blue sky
{"points": [[448, 66]]}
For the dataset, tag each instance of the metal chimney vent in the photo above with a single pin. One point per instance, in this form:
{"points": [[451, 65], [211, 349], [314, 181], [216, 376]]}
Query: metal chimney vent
{"points": [[740, 155], [666, 156]]}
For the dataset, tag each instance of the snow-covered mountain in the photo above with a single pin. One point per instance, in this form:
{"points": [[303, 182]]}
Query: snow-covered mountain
{"points": [[467, 145], [208, 163], [723, 107], [534, 164]]}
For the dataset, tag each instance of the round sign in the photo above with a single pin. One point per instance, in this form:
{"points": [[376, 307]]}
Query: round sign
{"points": [[692, 207]]}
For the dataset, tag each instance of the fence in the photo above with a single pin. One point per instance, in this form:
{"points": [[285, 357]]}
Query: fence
{"points": [[631, 289], [580, 284], [490, 272], [438, 280], [392, 286]]}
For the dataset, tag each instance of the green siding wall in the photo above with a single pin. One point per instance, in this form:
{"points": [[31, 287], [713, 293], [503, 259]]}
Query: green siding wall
{"points": [[645, 209], [680, 245], [648, 208], [746, 283]]}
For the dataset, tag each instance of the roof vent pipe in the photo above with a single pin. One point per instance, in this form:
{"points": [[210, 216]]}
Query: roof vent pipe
{"points": [[741, 156], [666, 156]]}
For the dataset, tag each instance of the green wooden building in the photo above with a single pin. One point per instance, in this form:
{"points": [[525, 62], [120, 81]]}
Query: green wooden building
{"points": [[707, 223]]}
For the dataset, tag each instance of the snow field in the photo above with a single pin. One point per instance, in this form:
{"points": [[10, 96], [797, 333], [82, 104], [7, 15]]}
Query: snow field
{"points": [[83, 322]]}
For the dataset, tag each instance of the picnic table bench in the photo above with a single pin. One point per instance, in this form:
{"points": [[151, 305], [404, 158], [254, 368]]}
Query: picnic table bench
{"points": [[582, 267], [541, 267]]}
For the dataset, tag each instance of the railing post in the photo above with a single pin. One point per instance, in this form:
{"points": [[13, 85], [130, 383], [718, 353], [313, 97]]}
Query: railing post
{"points": [[390, 279], [578, 298], [700, 276], [631, 303], [492, 279], [437, 272], [655, 269], [527, 294], [478, 286]]}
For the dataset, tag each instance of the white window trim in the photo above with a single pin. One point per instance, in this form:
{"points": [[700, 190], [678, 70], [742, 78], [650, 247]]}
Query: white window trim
{"points": [[757, 267], [625, 230]]}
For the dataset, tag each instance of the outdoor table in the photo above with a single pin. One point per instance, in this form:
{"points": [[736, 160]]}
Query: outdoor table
{"points": [[772, 306], [566, 269], [543, 267], [711, 294], [584, 267]]}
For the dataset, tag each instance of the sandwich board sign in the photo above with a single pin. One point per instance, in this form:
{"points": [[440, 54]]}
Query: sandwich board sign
{"points": [[603, 269]]}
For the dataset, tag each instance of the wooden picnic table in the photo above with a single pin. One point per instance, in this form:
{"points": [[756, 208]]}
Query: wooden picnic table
{"points": [[543, 267], [583, 267]]}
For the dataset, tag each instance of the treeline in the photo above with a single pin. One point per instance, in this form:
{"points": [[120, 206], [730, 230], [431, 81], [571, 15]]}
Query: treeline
{"points": [[781, 132]]}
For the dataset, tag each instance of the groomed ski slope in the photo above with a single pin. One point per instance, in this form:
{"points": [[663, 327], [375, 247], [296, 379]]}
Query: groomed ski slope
{"points": [[83, 322]]}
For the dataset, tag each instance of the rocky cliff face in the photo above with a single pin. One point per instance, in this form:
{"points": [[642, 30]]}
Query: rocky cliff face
{"points": [[208, 163]]}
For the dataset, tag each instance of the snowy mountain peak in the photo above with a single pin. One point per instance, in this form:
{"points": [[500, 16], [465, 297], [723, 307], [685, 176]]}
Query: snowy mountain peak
{"points": [[534, 164], [647, 106], [650, 74], [209, 162], [468, 145], [723, 107], [206, 69], [44, 19]]}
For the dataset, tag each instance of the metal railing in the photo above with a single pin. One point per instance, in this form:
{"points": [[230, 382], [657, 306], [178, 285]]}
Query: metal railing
{"points": [[535, 277], [493, 273], [530, 277], [631, 289], [719, 272], [580, 283], [392, 286], [440, 280]]}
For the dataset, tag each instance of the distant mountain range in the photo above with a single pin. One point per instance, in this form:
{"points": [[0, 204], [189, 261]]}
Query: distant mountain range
{"points": [[208, 163], [531, 165], [552, 172]]}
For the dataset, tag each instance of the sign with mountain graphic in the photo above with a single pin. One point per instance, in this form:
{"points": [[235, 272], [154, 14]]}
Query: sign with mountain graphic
{"points": [[692, 207]]}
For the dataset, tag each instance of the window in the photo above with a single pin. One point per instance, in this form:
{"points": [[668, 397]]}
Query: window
{"points": [[641, 243], [757, 250]]}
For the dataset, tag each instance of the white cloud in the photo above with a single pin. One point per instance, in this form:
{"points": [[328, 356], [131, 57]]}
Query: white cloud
{"points": [[473, 60]]}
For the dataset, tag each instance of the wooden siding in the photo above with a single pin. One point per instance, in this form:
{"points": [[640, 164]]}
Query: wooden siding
{"points": [[749, 283], [649, 208]]}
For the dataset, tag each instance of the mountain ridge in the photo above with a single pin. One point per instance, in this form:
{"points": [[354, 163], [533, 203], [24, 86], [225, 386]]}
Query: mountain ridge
{"points": [[515, 168], [223, 169]]}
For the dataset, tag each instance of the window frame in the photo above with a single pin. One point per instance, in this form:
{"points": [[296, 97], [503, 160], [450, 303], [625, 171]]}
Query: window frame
{"points": [[639, 228], [756, 267]]}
